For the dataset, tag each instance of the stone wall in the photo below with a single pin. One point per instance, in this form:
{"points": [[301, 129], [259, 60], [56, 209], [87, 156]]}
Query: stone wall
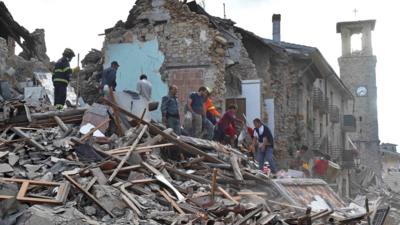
{"points": [[187, 40]]}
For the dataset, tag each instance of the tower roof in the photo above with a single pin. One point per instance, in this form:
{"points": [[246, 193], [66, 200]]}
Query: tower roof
{"points": [[355, 26]]}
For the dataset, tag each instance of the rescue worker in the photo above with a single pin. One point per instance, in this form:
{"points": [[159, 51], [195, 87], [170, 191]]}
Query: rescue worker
{"points": [[226, 126], [61, 76], [109, 76], [212, 113], [210, 119]]}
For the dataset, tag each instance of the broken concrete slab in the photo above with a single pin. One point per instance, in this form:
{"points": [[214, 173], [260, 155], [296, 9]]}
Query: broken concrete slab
{"points": [[5, 168], [12, 158], [109, 197], [40, 214]]}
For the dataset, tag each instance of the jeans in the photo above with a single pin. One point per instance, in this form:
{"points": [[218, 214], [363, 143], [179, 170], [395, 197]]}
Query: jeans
{"points": [[175, 124], [197, 125], [266, 154], [208, 129]]}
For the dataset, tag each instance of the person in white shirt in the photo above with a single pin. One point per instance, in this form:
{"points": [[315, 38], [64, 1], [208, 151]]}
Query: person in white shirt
{"points": [[144, 87]]}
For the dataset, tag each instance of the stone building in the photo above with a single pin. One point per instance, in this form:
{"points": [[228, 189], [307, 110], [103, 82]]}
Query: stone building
{"points": [[291, 87], [310, 101], [357, 70], [177, 43]]}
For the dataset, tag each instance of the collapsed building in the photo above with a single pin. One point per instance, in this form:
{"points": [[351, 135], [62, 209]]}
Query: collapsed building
{"points": [[130, 177]]}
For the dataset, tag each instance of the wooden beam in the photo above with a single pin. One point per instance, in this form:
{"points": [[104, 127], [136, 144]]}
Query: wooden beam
{"points": [[227, 195], [183, 146], [214, 183], [70, 179], [235, 167], [128, 154], [117, 120], [123, 169], [249, 216], [135, 204], [122, 150], [34, 143], [28, 113], [172, 202], [60, 123], [189, 176]]}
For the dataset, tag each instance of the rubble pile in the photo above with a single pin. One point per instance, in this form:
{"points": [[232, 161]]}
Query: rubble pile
{"points": [[86, 82], [82, 172]]}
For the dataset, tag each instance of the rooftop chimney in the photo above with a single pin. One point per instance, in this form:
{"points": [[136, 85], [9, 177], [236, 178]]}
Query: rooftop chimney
{"points": [[276, 27]]}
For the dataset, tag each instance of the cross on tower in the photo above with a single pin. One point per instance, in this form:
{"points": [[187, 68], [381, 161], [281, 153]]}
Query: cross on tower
{"points": [[355, 12]]}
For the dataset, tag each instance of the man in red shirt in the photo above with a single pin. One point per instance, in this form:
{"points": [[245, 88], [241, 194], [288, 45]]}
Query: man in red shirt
{"points": [[226, 125]]}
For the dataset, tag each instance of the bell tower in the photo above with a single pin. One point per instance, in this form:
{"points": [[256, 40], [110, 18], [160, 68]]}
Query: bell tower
{"points": [[357, 70]]}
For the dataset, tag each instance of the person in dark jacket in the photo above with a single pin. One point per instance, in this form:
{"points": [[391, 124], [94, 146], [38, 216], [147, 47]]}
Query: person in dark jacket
{"points": [[61, 76], [109, 76], [170, 110], [265, 142]]}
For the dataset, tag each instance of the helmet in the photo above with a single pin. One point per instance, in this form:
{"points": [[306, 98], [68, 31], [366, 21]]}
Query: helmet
{"points": [[208, 90], [68, 53]]}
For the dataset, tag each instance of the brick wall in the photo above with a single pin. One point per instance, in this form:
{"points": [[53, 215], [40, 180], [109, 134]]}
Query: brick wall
{"points": [[187, 81]]}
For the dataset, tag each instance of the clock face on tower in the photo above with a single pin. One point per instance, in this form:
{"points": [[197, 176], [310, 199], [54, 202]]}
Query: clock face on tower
{"points": [[361, 91]]}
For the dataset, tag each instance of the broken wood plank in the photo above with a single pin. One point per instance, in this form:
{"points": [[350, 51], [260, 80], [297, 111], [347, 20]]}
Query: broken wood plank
{"points": [[28, 113], [214, 183], [61, 124], [91, 183], [34, 143], [70, 179], [101, 178], [124, 169], [130, 204], [160, 177], [189, 176], [135, 204], [61, 114], [172, 202], [157, 138], [235, 167], [117, 120], [128, 154], [251, 193], [249, 216], [227, 195], [123, 150], [183, 146], [90, 133]]}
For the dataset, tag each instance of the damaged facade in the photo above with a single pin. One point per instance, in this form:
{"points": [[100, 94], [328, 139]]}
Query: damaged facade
{"points": [[300, 97], [173, 44]]}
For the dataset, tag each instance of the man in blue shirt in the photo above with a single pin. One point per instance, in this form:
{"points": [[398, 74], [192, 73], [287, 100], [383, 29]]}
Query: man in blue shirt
{"points": [[109, 76], [170, 110], [196, 107]]}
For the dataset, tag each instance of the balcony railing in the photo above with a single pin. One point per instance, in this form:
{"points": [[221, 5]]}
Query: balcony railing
{"points": [[318, 98], [335, 152]]}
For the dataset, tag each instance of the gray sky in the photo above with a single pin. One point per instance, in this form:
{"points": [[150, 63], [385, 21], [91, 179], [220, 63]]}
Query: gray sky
{"points": [[77, 23]]}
